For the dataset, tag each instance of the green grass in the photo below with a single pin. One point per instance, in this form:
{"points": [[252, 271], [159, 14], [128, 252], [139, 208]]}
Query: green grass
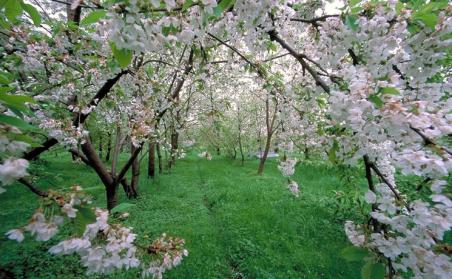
{"points": [[236, 224]]}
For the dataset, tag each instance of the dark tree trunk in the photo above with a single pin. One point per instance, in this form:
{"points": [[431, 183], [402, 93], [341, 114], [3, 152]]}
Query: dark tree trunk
{"points": [[218, 151], [111, 185], [112, 196], [107, 157], [159, 156], [100, 146], [260, 170], [151, 162], [174, 147], [135, 172]]}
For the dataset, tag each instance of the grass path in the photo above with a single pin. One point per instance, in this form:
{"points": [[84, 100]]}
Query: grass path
{"points": [[236, 224]]}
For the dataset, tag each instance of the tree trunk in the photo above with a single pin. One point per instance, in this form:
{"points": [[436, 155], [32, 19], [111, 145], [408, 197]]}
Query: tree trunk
{"points": [[111, 185], [264, 156], [174, 147], [135, 172], [107, 157], [159, 156], [100, 146], [151, 162], [241, 150], [116, 150], [112, 196]]}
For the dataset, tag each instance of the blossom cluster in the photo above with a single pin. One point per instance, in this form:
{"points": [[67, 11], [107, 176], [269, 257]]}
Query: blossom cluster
{"points": [[205, 154], [45, 226], [170, 250]]}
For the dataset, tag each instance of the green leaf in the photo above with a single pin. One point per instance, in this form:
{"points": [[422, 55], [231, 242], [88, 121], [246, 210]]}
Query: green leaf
{"points": [[93, 17], [33, 13], [14, 121], [187, 4], [12, 9], [5, 89], [5, 78], [388, 90], [429, 19], [122, 207], [332, 153], [16, 102], [354, 254], [352, 22], [373, 271], [24, 138], [123, 56], [84, 217], [222, 6], [4, 24], [226, 4], [376, 100], [16, 99]]}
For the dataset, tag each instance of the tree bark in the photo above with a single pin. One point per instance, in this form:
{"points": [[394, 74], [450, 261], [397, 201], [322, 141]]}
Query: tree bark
{"points": [[174, 147], [135, 172], [270, 130], [151, 162], [100, 146], [159, 156], [107, 156], [116, 149], [260, 170]]}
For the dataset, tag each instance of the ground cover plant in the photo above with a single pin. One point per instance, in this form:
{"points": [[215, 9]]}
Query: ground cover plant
{"points": [[229, 139]]}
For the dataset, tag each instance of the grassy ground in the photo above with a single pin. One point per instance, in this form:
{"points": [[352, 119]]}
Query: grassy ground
{"points": [[236, 224]]}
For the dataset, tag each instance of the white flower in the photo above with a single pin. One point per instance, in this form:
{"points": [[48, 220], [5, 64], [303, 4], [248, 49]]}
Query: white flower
{"points": [[370, 197], [355, 237], [293, 188], [12, 169], [124, 215], [16, 234], [69, 210], [287, 167]]}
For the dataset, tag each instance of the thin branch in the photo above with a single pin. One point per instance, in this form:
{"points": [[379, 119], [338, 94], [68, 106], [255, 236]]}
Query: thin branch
{"points": [[429, 141], [313, 21], [82, 157], [300, 57], [80, 5], [33, 188], [276, 57], [128, 164], [383, 178], [259, 71]]}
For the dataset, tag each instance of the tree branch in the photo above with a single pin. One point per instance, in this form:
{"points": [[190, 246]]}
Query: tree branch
{"points": [[300, 57], [33, 188]]}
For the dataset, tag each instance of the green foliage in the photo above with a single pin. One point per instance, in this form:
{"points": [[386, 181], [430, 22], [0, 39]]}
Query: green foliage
{"points": [[33, 13], [122, 56], [14, 121], [376, 100], [354, 254], [13, 9], [352, 22], [373, 270], [122, 207], [388, 90], [93, 17], [222, 6], [332, 152], [84, 217]]}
